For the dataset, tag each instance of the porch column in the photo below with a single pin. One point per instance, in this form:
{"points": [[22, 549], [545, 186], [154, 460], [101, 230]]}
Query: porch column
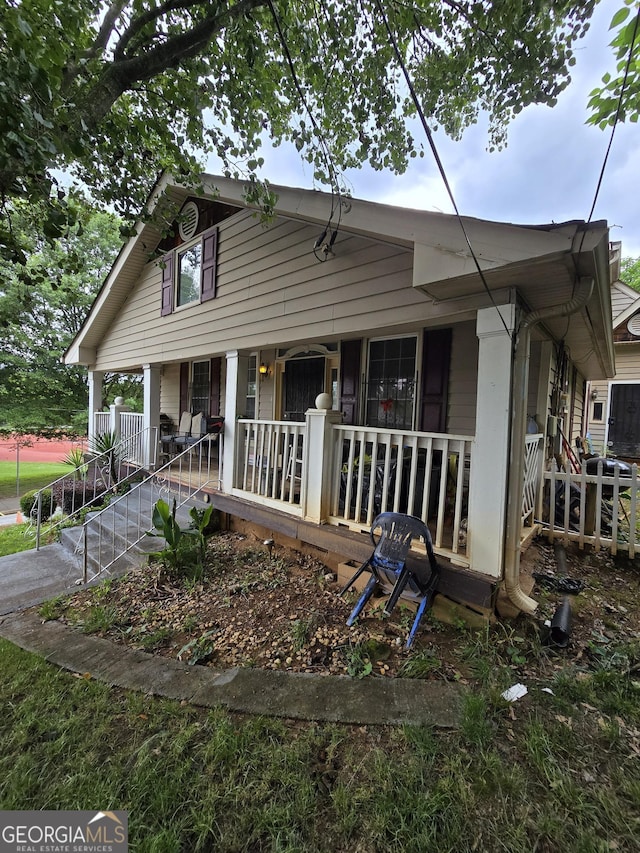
{"points": [[115, 410], [488, 484], [234, 405], [95, 378], [319, 460], [151, 413]]}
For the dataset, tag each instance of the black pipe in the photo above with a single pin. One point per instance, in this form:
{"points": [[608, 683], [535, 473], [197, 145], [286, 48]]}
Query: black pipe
{"points": [[561, 625], [561, 557]]}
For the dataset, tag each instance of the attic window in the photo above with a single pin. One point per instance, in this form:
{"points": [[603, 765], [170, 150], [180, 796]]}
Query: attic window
{"points": [[633, 325], [189, 273]]}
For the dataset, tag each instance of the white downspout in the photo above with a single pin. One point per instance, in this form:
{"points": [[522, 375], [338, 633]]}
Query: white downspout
{"points": [[518, 429]]}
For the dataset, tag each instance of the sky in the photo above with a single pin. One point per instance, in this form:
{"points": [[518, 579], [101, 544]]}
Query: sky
{"points": [[548, 172]]}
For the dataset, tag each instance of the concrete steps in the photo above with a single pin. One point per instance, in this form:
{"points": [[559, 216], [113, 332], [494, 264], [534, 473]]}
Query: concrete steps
{"points": [[115, 538]]}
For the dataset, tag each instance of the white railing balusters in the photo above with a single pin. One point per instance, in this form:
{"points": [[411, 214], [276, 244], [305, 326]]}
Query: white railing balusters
{"points": [[380, 470], [575, 501], [184, 476]]}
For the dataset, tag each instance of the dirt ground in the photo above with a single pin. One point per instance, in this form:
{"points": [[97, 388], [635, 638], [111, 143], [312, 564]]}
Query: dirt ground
{"points": [[281, 610]]}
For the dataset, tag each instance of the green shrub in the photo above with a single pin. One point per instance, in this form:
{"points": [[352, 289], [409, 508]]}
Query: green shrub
{"points": [[72, 495], [29, 500]]}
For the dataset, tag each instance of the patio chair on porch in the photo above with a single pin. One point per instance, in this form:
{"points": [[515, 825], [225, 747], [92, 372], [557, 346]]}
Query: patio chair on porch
{"points": [[394, 571], [176, 441]]}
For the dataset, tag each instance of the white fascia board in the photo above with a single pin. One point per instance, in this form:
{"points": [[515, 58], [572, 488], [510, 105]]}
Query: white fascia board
{"points": [[495, 245]]}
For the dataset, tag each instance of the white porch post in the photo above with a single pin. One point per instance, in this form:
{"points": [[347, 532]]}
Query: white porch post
{"points": [[488, 485], [115, 410], [234, 404], [318, 462], [151, 412], [95, 401]]}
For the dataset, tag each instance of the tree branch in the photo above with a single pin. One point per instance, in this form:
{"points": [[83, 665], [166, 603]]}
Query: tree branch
{"points": [[102, 39], [119, 77], [147, 17]]}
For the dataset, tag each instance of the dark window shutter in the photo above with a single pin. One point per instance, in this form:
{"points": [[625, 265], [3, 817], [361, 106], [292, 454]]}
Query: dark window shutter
{"points": [[209, 258], [185, 369], [436, 357], [214, 386], [167, 285], [350, 352]]}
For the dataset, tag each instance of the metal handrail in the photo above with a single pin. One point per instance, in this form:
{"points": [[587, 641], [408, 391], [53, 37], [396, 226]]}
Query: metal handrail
{"points": [[102, 482], [178, 476]]}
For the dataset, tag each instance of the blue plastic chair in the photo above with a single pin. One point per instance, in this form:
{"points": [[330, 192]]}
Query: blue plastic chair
{"points": [[389, 570]]}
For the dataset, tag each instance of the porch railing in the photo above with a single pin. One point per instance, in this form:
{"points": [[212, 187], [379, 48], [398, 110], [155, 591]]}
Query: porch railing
{"points": [[271, 462], [101, 422], [87, 485], [109, 534], [596, 509], [132, 435], [423, 474], [532, 477]]}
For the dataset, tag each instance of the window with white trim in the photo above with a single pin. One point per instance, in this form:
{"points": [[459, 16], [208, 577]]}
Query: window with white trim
{"points": [[252, 386], [189, 272], [391, 383], [200, 387]]}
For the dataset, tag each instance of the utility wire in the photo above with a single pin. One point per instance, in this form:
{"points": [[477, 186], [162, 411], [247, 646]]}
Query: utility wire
{"points": [[434, 150], [335, 186], [617, 115]]}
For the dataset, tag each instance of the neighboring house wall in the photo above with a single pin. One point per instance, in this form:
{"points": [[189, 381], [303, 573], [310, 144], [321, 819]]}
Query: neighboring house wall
{"points": [[624, 302], [627, 371], [270, 290]]}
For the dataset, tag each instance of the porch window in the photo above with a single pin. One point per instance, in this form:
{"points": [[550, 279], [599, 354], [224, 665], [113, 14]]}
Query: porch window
{"points": [[200, 387], [391, 383], [252, 375]]}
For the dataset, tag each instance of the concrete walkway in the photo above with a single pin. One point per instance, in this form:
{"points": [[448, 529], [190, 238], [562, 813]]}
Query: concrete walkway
{"points": [[31, 577]]}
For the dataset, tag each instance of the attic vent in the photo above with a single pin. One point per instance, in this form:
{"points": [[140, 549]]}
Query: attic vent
{"points": [[188, 220], [634, 325]]}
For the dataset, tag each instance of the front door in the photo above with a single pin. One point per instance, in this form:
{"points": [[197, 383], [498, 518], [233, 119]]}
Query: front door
{"points": [[303, 381], [624, 421]]}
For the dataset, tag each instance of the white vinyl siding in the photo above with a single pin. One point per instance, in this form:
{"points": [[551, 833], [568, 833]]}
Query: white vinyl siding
{"points": [[627, 370]]}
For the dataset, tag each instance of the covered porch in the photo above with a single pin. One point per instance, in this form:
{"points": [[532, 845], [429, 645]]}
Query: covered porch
{"points": [[323, 471], [396, 374]]}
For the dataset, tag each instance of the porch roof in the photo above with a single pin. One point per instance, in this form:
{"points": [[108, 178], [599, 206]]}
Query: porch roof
{"points": [[537, 260]]}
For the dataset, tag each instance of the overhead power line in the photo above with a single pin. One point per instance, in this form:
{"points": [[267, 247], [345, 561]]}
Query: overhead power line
{"points": [[436, 155]]}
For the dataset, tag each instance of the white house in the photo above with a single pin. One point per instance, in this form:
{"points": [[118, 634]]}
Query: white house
{"points": [[447, 388]]}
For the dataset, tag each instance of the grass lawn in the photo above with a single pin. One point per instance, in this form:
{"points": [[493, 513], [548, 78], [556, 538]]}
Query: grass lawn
{"points": [[553, 772], [14, 538], [33, 475]]}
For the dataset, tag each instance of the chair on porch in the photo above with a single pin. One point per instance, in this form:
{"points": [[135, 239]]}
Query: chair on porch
{"points": [[393, 571], [177, 440]]}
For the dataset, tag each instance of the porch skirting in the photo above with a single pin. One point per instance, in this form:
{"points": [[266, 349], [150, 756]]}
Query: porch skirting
{"points": [[333, 545]]}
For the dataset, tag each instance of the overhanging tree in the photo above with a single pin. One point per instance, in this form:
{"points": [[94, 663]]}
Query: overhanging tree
{"points": [[630, 272], [118, 92], [618, 99], [39, 320]]}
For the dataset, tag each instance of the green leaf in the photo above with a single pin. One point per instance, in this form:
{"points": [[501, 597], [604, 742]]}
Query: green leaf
{"points": [[620, 16]]}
